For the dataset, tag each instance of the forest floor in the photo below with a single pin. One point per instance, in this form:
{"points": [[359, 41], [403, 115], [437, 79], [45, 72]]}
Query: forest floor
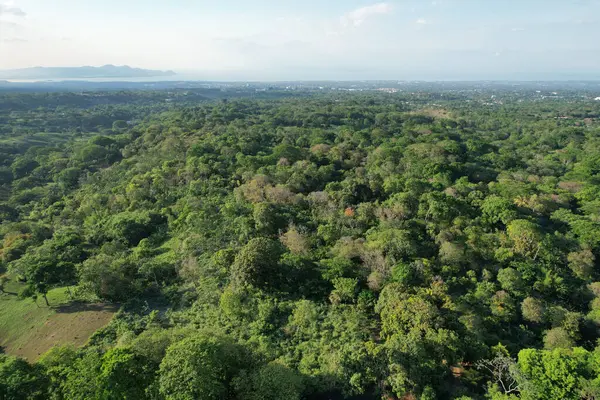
{"points": [[29, 330]]}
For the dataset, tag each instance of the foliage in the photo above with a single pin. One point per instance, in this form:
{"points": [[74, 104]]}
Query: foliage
{"points": [[20, 380], [271, 382], [332, 244], [199, 367]]}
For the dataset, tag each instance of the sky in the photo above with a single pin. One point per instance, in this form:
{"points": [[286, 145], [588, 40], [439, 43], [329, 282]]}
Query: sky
{"points": [[310, 39]]}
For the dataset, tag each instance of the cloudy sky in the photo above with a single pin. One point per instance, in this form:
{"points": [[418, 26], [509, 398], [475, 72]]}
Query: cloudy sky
{"points": [[310, 39]]}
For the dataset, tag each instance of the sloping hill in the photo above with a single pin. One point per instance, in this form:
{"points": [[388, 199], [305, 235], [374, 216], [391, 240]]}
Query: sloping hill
{"points": [[29, 330], [105, 71]]}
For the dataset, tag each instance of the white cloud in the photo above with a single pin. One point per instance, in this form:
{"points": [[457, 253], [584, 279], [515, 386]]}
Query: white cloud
{"points": [[7, 9], [421, 21], [360, 15], [517, 29]]}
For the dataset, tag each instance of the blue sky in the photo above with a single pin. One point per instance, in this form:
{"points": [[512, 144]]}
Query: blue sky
{"points": [[326, 39]]}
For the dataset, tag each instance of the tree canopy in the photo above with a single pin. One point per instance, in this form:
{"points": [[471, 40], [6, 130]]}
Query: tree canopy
{"points": [[308, 245]]}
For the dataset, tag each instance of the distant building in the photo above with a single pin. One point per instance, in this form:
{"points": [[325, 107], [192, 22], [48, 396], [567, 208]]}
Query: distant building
{"points": [[387, 90], [597, 98]]}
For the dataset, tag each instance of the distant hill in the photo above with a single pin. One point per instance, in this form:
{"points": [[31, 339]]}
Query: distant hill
{"points": [[106, 71]]}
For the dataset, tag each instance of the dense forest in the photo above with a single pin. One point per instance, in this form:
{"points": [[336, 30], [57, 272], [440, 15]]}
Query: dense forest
{"points": [[410, 245]]}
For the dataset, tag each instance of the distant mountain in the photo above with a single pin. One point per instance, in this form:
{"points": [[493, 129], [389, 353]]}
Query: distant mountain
{"points": [[106, 71]]}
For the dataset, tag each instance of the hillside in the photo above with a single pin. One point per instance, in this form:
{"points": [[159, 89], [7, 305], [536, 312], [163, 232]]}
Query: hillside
{"points": [[325, 245], [29, 328], [106, 71]]}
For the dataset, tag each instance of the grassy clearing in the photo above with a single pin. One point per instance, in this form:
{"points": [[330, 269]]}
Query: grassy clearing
{"points": [[28, 329], [433, 112]]}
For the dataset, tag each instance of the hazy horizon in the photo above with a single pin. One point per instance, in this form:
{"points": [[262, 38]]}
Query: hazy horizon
{"points": [[265, 77], [288, 40]]}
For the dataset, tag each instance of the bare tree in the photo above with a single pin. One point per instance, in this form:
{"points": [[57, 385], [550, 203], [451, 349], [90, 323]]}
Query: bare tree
{"points": [[504, 371]]}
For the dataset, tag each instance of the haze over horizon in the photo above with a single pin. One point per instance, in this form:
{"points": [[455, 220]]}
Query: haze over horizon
{"points": [[289, 40]]}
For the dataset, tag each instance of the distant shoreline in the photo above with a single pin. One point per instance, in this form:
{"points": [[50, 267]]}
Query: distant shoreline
{"points": [[141, 79], [77, 73]]}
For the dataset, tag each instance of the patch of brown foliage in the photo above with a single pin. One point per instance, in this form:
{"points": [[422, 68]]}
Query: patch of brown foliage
{"points": [[295, 241], [571, 186]]}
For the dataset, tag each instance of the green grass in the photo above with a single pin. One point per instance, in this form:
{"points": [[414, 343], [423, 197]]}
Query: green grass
{"points": [[29, 329], [37, 139], [20, 317]]}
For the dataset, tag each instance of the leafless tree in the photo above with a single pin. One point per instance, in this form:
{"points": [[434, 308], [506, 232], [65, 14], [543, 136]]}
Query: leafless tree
{"points": [[504, 371]]}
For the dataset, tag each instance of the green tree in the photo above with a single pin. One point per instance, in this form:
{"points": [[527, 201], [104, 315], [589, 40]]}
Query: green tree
{"points": [[525, 237], [270, 382], [533, 310], [69, 177], [510, 280], [56, 363], [553, 374], [108, 277], [200, 367], [20, 380], [82, 379], [133, 226], [496, 209], [125, 374], [557, 338], [52, 263], [257, 263]]}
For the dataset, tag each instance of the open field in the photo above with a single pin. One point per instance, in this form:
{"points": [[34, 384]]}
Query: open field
{"points": [[29, 330]]}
